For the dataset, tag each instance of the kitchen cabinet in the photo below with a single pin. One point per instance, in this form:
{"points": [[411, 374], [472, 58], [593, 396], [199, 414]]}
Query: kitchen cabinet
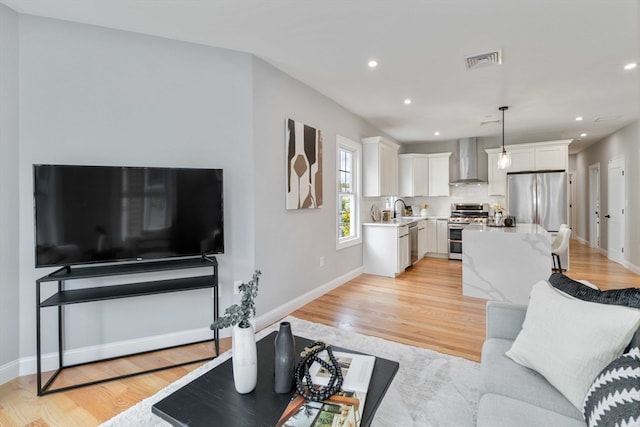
{"points": [[404, 249], [413, 176], [442, 231], [386, 249], [380, 167], [438, 175], [551, 155], [422, 238], [437, 237], [522, 159]]}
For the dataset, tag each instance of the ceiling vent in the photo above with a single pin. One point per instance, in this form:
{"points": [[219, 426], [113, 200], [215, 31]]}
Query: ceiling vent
{"points": [[489, 122], [607, 118], [483, 59]]}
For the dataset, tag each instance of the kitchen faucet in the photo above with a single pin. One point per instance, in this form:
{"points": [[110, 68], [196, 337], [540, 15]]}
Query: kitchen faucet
{"points": [[394, 206]]}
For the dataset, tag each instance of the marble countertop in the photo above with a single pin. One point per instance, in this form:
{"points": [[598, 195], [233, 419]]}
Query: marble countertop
{"points": [[518, 229]]}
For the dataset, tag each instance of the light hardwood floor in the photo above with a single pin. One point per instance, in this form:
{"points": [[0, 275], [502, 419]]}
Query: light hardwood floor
{"points": [[423, 307]]}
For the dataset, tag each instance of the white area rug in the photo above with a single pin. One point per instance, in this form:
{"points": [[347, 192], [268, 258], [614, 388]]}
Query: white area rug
{"points": [[430, 389]]}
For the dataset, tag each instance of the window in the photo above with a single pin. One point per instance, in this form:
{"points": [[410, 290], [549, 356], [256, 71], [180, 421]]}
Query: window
{"points": [[348, 167]]}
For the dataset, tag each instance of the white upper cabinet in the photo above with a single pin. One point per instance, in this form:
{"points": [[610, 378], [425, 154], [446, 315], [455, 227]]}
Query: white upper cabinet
{"points": [[413, 175], [439, 174], [424, 174], [380, 167], [522, 159], [551, 155]]}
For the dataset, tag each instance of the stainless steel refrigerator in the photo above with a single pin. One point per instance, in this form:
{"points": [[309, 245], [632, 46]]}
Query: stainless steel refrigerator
{"points": [[538, 198]]}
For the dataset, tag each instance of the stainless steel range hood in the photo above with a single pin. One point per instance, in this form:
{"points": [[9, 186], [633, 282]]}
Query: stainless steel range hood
{"points": [[466, 169]]}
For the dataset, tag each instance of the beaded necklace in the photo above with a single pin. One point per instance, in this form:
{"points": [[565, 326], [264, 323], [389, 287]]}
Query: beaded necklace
{"points": [[305, 385]]}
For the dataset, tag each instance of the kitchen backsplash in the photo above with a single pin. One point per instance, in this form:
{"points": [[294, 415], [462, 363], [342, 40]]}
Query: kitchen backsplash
{"points": [[438, 206]]}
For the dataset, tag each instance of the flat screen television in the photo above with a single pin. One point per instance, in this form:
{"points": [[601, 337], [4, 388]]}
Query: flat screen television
{"points": [[98, 214]]}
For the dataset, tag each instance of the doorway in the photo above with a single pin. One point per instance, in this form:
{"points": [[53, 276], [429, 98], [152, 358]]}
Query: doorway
{"points": [[615, 210], [571, 219], [594, 205]]}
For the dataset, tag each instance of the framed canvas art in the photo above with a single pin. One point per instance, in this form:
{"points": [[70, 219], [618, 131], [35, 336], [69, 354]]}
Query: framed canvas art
{"points": [[304, 166]]}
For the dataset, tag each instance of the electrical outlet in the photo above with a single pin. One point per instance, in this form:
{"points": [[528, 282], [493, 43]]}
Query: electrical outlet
{"points": [[322, 261], [236, 287]]}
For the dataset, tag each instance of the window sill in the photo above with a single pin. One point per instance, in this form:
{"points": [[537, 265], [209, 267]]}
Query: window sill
{"points": [[347, 243]]}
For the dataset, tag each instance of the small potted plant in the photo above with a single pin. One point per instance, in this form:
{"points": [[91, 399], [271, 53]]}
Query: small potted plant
{"points": [[243, 346]]}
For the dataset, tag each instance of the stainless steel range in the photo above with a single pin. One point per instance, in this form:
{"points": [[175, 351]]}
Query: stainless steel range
{"points": [[463, 214]]}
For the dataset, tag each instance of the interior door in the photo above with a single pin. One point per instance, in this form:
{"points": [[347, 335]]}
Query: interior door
{"points": [[615, 211], [594, 205]]}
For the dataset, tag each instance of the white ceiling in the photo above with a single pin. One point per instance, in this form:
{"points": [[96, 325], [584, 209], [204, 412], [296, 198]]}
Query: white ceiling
{"points": [[561, 58]]}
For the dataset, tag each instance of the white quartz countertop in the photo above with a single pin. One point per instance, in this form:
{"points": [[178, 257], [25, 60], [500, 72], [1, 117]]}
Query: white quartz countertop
{"points": [[503, 263], [518, 229], [405, 220]]}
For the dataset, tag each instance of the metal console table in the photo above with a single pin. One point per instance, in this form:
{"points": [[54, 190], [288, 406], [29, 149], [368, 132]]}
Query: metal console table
{"points": [[64, 297]]}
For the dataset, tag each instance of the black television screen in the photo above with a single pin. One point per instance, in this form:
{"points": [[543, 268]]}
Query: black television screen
{"points": [[92, 214]]}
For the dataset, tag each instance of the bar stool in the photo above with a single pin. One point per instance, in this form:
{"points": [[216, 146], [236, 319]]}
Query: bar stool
{"points": [[559, 246]]}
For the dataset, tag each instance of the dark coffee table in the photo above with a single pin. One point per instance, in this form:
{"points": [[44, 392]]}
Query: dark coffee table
{"points": [[212, 400]]}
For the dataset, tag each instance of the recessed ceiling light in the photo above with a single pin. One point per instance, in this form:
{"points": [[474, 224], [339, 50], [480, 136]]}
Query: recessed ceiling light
{"points": [[583, 135], [373, 63], [407, 101], [630, 66], [437, 133], [579, 119]]}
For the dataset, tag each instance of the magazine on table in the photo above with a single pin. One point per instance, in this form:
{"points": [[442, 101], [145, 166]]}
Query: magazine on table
{"points": [[344, 408]]}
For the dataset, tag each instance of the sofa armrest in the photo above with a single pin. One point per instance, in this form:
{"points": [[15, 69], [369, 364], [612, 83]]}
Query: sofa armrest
{"points": [[504, 320]]}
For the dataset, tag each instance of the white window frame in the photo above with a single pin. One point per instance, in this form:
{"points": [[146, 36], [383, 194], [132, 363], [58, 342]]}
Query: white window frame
{"points": [[355, 148]]}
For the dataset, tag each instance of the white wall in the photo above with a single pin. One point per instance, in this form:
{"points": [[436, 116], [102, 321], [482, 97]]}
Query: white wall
{"points": [[90, 95], [289, 244], [622, 144], [9, 239]]}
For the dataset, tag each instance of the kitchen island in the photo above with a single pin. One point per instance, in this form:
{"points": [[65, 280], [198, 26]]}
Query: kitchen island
{"points": [[503, 263]]}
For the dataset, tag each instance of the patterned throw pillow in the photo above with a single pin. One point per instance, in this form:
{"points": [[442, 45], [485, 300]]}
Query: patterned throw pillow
{"points": [[614, 396], [629, 297]]}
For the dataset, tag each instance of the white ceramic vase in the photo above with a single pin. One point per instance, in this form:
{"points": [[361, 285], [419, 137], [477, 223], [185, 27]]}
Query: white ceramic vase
{"points": [[244, 359], [497, 218]]}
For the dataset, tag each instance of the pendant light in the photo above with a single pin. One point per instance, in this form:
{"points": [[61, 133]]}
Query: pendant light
{"points": [[504, 159]]}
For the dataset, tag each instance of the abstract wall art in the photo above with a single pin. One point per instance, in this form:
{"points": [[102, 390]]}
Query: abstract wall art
{"points": [[304, 166]]}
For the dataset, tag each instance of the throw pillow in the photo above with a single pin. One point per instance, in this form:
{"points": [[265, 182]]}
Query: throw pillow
{"points": [[614, 396], [570, 341], [629, 297]]}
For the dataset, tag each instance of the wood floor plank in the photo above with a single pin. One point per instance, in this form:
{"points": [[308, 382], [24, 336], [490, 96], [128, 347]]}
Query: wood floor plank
{"points": [[423, 307]]}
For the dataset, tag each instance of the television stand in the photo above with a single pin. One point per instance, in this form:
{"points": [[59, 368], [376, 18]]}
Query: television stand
{"points": [[63, 297]]}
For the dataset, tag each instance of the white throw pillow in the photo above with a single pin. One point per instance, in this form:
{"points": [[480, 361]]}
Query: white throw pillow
{"points": [[570, 341]]}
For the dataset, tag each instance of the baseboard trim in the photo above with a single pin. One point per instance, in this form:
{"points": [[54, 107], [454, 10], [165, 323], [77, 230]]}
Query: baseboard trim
{"points": [[9, 371], [287, 308], [630, 266], [27, 365], [583, 241], [115, 349]]}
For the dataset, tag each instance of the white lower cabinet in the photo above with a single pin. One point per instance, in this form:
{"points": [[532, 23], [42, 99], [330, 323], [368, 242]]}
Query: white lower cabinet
{"points": [[404, 249], [437, 238], [422, 238], [443, 236], [386, 249]]}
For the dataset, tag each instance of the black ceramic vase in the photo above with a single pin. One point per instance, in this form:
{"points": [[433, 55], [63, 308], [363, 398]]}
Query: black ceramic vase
{"points": [[284, 360]]}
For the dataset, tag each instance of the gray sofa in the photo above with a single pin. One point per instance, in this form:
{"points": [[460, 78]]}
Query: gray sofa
{"points": [[510, 394]]}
